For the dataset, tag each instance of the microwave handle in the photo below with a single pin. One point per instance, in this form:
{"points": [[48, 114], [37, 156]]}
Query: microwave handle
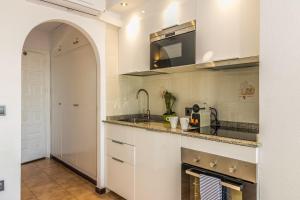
{"points": [[225, 184]]}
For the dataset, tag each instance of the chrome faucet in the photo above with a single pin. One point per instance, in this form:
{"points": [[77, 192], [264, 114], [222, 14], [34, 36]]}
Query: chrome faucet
{"points": [[137, 96]]}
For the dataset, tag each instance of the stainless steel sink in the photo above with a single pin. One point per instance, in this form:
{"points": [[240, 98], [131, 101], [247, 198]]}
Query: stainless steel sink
{"points": [[138, 120]]}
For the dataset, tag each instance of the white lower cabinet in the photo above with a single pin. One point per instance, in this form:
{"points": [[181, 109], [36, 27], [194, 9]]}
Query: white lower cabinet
{"points": [[142, 164], [120, 177], [158, 166]]}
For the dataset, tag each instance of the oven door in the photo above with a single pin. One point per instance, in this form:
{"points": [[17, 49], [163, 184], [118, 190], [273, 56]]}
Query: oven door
{"points": [[232, 188], [173, 51]]}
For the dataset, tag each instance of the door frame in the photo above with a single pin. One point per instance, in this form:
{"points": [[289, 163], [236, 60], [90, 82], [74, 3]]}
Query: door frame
{"points": [[47, 98], [96, 37]]}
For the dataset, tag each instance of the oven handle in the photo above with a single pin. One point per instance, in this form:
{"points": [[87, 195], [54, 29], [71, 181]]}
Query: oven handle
{"points": [[225, 184]]}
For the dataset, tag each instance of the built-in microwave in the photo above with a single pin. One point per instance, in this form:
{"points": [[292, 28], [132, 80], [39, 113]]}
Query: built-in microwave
{"points": [[173, 46]]}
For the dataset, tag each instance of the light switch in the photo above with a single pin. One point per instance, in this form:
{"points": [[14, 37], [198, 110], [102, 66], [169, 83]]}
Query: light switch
{"points": [[2, 110], [1, 186]]}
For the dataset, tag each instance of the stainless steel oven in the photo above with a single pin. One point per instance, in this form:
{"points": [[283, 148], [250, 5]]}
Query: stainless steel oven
{"points": [[174, 46], [236, 180]]}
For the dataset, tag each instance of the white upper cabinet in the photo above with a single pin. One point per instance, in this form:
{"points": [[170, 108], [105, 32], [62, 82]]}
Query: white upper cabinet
{"points": [[134, 36], [227, 29]]}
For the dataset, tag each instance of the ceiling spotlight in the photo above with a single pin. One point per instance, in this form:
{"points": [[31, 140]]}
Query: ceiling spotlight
{"points": [[143, 12], [124, 4]]}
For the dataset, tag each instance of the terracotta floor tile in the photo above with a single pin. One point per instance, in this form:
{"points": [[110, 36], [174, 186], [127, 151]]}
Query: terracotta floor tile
{"points": [[49, 180]]}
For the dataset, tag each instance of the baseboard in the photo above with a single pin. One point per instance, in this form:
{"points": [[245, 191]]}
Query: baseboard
{"points": [[32, 161], [93, 181], [100, 190]]}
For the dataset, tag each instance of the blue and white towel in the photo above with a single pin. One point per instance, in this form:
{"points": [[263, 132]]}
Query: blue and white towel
{"points": [[210, 188]]}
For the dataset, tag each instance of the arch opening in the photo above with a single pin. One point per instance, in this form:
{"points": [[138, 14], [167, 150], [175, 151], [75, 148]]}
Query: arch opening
{"points": [[60, 96]]}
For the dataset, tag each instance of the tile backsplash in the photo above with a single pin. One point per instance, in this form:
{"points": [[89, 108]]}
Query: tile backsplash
{"points": [[234, 93]]}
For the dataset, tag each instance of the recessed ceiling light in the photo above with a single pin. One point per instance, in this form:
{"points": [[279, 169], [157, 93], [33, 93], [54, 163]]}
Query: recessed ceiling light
{"points": [[143, 12], [124, 4]]}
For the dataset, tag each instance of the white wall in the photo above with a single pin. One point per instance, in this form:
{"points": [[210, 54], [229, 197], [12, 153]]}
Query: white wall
{"points": [[38, 40], [17, 18], [279, 100], [121, 90]]}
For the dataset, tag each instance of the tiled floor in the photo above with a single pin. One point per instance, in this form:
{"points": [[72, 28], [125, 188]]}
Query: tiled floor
{"points": [[49, 180]]}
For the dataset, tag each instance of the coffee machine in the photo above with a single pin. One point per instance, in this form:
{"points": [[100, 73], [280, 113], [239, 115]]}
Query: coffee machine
{"points": [[195, 116], [201, 116]]}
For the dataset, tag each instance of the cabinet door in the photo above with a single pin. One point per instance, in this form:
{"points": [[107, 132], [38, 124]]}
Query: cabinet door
{"points": [[217, 30], [74, 86], [227, 29], [158, 166], [120, 177], [249, 26], [84, 101]]}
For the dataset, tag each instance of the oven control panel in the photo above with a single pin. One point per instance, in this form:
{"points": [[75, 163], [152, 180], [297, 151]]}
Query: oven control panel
{"points": [[223, 165]]}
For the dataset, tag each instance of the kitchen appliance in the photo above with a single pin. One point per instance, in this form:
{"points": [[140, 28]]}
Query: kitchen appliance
{"points": [[173, 46], [229, 132], [200, 116], [237, 178], [90, 7]]}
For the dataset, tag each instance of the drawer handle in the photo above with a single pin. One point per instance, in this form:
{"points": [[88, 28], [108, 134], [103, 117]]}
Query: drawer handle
{"points": [[117, 142], [118, 160]]}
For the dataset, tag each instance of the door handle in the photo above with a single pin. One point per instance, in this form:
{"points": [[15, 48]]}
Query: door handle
{"points": [[118, 160], [223, 183], [117, 142]]}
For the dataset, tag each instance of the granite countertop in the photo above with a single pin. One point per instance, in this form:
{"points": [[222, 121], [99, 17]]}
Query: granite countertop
{"points": [[165, 127]]}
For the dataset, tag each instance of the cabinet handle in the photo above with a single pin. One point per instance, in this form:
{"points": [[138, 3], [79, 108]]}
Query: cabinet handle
{"points": [[118, 160], [117, 142], [76, 105]]}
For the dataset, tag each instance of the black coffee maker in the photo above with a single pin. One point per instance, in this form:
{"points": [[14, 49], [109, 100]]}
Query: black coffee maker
{"points": [[194, 114]]}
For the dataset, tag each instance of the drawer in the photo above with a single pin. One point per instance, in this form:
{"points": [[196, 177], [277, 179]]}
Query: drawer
{"points": [[247, 154], [120, 178], [120, 150], [121, 133]]}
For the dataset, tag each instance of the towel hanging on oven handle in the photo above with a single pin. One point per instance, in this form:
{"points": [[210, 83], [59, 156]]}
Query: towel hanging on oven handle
{"points": [[223, 183]]}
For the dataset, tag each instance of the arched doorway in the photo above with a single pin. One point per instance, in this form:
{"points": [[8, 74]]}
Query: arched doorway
{"points": [[36, 81]]}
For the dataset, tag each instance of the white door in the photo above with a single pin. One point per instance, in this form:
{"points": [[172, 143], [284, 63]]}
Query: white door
{"points": [[35, 97], [74, 108]]}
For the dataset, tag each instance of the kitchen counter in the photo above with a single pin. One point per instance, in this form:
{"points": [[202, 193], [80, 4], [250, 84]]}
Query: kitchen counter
{"points": [[165, 127]]}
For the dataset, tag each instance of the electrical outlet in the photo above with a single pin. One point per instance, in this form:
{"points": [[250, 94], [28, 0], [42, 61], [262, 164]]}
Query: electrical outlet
{"points": [[2, 110], [1, 186], [188, 111]]}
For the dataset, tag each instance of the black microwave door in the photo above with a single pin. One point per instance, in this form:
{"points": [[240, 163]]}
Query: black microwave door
{"points": [[174, 51]]}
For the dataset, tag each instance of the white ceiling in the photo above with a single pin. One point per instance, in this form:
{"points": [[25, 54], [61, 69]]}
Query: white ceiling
{"points": [[115, 5], [48, 26]]}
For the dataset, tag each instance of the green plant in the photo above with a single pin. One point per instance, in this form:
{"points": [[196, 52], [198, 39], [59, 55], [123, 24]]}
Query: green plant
{"points": [[170, 100]]}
